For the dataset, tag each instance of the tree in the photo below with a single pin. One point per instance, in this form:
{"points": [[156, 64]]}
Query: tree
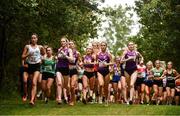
{"points": [[50, 19], [117, 31], [159, 34]]}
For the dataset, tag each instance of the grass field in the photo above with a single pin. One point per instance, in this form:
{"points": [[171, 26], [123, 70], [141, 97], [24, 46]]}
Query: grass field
{"points": [[16, 107]]}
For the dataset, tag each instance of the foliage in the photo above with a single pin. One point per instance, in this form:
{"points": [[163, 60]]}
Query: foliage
{"points": [[117, 30], [50, 19], [159, 34]]}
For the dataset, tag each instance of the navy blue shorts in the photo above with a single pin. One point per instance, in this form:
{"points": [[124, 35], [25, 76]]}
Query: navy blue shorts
{"points": [[149, 83], [130, 71], [103, 71], [116, 78]]}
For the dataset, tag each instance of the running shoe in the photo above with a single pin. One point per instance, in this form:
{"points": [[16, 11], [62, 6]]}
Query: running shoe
{"points": [[158, 102], [31, 103], [126, 102], [153, 102], [100, 100], [130, 102], [141, 102], [84, 101], [59, 102], [39, 94], [78, 98], [90, 100], [65, 101], [71, 103], [106, 103], [46, 100]]}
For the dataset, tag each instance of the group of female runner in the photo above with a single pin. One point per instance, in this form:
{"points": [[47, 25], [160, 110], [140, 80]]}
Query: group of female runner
{"points": [[97, 75]]}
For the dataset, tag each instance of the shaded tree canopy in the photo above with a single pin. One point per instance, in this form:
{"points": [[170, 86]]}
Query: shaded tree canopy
{"points": [[159, 34], [50, 19]]}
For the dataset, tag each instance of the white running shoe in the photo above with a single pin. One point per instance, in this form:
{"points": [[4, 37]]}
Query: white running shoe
{"points": [[100, 100], [39, 93], [158, 102], [46, 100], [106, 103]]}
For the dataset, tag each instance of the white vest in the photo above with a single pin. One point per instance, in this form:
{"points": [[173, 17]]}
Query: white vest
{"points": [[34, 55]]}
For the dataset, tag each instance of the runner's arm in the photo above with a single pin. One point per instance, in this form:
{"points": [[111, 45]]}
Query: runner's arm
{"points": [[70, 57], [163, 76], [25, 52], [177, 75]]}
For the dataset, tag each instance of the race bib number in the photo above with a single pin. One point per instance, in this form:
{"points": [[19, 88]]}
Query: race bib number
{"points": [[117, 73], [48, 68], [143, 74], [60, 55], [32, 59], [170, 78], [157, 74]]}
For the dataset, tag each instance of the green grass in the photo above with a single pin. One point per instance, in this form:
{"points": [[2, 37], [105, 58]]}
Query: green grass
{"points": [[16, 107]]}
